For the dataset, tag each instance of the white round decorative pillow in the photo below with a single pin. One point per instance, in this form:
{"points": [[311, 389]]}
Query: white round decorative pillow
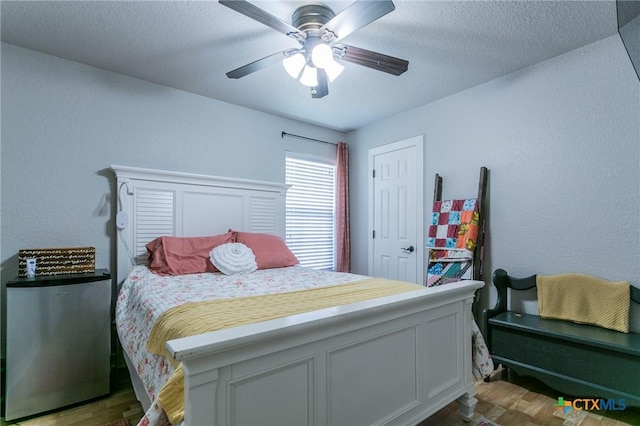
{"points": [[233, 258]]}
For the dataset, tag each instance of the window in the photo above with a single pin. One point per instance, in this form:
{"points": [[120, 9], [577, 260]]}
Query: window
{"points": [[310, 212]]}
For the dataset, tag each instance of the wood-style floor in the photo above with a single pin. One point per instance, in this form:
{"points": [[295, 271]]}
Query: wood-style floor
{"points": [[507, 400], [121, 403], [512, 400]]}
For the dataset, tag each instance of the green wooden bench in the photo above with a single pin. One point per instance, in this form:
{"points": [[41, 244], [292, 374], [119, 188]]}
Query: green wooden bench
{"points": [[576, 359]]}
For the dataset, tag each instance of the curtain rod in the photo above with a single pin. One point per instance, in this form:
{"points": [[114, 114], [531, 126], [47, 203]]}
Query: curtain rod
{"points": [[283, 134]]}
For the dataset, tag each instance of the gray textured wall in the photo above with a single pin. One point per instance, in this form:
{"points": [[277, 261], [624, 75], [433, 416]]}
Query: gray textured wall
{"points": [[561, 140]]}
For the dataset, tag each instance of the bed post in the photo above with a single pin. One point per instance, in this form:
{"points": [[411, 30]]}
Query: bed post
{"points": [[467, 402]]}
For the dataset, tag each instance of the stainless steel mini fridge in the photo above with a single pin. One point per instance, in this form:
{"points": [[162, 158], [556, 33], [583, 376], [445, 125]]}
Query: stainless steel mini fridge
{"points": [[58, 341]]}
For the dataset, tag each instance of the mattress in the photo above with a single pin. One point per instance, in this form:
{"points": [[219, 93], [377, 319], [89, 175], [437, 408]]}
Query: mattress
{"points": [[145, 296]]}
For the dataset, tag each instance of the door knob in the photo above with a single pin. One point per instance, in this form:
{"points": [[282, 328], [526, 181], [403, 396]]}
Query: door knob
{"points": [[409, 249]]}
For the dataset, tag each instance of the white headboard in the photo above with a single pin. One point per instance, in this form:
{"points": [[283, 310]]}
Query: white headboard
{"points": [[160, 203]]}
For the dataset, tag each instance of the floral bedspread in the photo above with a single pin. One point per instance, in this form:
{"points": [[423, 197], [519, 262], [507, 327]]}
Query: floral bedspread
{"points": [[144, 296]]}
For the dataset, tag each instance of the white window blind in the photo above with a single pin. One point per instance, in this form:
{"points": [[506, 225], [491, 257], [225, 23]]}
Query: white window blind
{"points": [[310, 212]]}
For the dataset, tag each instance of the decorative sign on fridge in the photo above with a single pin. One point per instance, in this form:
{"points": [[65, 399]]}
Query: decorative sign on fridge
{"points": [[56, 261]]}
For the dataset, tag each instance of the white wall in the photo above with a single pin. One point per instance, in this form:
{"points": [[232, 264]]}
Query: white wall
{"points": [[64, 124], [561, 140]]}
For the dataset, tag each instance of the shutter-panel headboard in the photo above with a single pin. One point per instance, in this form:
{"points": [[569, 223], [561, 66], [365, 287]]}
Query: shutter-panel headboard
{"points": [[182, 204], [154, 216]]}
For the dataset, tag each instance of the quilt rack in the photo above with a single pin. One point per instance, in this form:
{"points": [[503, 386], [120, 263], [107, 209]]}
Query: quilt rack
{"points": [[476, 254]]}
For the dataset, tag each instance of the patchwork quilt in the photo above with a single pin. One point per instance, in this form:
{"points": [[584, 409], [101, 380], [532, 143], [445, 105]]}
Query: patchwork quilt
{"points": [[451, 239], [454, 225]]}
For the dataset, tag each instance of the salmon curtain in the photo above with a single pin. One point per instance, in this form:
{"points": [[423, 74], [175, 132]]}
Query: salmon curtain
{"points": [[343, 245]]}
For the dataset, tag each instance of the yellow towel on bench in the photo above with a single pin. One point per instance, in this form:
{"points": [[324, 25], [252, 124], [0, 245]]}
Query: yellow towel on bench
{"points": [[584, 299]]}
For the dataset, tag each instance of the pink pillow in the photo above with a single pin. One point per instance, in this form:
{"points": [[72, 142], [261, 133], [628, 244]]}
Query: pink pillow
{"points": [[270, 250], [184, 255]]}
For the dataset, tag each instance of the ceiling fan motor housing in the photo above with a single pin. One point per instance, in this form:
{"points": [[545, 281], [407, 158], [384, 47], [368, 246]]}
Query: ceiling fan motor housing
{"points": [[311, 17]]}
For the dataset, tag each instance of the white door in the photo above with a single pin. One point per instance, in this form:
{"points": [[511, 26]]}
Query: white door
{"points": [[396, 211]]}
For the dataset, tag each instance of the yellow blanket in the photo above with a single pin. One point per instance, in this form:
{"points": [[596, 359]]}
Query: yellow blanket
{"points": [[584, 299], [201, 317]]}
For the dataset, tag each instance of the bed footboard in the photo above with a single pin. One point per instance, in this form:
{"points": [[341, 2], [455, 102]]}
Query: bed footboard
{"points": [[391, 360]]}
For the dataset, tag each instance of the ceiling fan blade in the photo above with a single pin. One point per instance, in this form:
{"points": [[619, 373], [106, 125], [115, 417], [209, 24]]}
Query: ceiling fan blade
{"points": [[356, 16], [377, 61], [322, 89], [254, 66], [254, 12]]}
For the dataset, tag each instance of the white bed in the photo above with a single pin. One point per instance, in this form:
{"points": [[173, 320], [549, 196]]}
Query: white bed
{"points": [[390, 360]]}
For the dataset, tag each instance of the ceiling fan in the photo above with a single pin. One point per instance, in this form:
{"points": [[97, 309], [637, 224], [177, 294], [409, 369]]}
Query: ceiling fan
{"points": [[318, 30]]}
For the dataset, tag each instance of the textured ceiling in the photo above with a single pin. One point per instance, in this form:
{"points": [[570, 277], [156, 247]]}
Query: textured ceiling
{"points": [[450, 45]]}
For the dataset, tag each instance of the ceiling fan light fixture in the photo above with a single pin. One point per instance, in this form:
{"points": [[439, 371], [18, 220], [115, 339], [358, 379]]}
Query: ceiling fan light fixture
{"points": [[333, 70], [309, 76], [322, 55], [294, 64]]}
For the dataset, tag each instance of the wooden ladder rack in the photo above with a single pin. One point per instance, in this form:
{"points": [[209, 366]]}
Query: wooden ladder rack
{"points": [[482, 195], [478, 251]]}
